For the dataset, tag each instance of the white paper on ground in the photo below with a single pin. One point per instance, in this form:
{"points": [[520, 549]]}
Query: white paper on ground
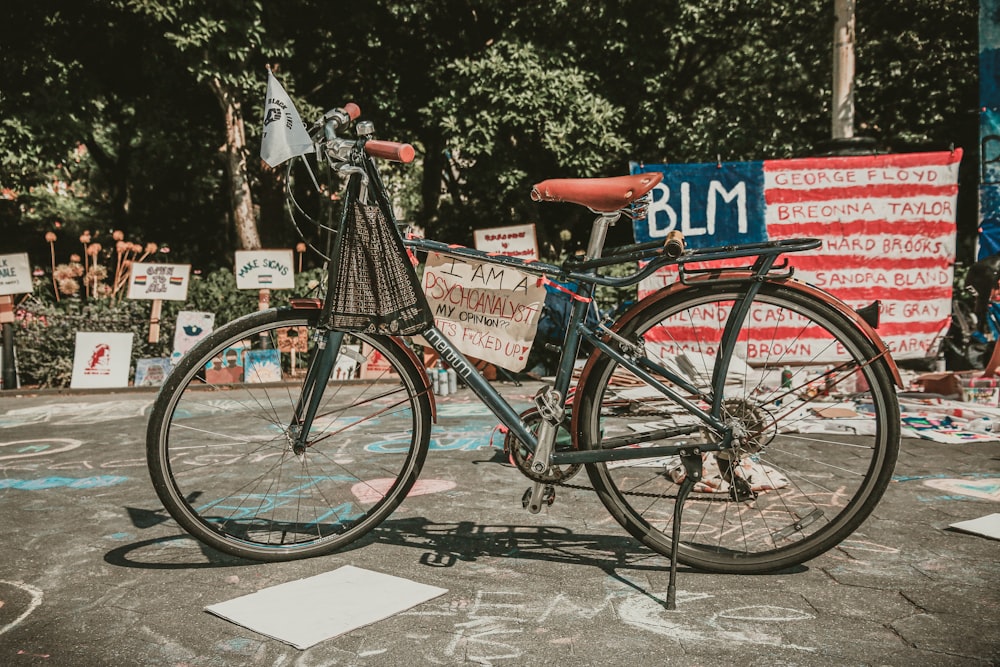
{"points": [[987, 526], [305, 612]]}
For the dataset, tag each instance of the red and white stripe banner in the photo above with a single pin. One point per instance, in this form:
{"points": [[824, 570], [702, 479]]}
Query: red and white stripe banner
{"points": [[887, 223]]}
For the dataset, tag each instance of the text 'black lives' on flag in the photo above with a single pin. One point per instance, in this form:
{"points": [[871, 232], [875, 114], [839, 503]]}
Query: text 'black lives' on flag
{"points": [[284, 134]]}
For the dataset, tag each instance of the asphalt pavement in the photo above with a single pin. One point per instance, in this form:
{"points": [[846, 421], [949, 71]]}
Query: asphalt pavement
{"points": [[93, 572]]}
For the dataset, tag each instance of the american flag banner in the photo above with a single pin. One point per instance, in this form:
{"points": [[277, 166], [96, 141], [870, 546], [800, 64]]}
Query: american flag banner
{"points": [[887, 223]]}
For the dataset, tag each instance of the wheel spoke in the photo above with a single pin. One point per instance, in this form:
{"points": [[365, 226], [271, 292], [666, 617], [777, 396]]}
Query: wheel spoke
{"points": [[221, 453], [797, 481]]}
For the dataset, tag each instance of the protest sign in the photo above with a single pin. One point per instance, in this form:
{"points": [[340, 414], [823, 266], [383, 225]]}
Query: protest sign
{"points": [[264, 269], [158, 282], [517, 241], [192, 326], [15, 274], [887, 223], [101, 360], [168, 282], [489, 312]]}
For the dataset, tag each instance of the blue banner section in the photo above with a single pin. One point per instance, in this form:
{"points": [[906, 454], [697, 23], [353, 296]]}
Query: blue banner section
{"points": [[989, 222], [989, 128], [712, 204], [989, 157]]}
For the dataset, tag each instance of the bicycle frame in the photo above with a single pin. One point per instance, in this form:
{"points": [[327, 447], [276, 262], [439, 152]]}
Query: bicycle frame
{"points": [[585, 274]]}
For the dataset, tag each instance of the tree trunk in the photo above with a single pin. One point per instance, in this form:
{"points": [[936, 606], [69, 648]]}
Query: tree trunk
{"points": [[235, 153]]}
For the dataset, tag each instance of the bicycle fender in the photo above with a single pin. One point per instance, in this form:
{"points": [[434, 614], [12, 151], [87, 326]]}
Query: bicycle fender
{"points": [[426, 381], [790, 283], [316, 304]]}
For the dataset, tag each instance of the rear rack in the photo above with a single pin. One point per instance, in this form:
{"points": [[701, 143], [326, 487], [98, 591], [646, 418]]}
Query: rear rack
{"points": [[654, 254]]}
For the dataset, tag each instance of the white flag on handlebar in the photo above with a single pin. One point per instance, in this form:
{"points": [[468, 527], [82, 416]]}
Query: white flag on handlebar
{"points": [[284, 134]]}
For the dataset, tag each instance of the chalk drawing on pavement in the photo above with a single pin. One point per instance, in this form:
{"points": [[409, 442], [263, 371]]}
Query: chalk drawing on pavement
{"points": [[64, 414], [34, 599], [491, 627], [23, 449], [373, 490], [95, 482], [985, 489]]}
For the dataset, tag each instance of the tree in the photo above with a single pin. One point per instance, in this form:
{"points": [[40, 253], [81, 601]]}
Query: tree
{"points": [[512, 117], [218, 43], [493, 97], [94, 104]]}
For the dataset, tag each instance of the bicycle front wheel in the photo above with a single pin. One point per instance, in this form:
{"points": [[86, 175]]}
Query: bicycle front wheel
{"points": [[813, 411], [220, 438]]}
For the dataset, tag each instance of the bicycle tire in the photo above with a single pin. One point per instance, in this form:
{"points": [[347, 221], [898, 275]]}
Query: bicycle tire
{"points": [[220, 457], [814, 488]]}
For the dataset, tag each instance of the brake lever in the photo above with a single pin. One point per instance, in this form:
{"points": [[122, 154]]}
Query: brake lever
{"points": [[334, 119]]}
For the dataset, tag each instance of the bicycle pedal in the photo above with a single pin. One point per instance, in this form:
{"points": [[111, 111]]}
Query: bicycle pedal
{"points": [[526, 498]]}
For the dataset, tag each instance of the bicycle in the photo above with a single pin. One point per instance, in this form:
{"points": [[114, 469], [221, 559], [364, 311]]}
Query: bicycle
{"points": [[689, 415]]}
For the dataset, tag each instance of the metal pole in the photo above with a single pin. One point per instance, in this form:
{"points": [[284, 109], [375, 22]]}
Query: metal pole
{"points": [[9, 372], [842, 126]]}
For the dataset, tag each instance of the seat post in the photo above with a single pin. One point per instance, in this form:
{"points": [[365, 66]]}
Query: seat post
{"points": [[599, 233]]}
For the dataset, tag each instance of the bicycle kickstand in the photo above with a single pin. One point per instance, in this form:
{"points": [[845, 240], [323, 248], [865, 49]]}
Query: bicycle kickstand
{"points": [[691, 459]]}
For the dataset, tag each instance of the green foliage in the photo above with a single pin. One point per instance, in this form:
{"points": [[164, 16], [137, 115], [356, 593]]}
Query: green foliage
{"points": [[45, 337], [495, 94], [512, 116], [114, 114]]}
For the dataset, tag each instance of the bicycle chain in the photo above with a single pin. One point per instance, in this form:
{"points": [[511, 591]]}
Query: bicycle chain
{"points": [[580, 487]]}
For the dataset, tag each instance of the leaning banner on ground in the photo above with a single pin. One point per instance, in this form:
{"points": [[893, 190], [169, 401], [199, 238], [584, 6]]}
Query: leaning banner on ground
{"points": [[887, 223], [489, 312]]}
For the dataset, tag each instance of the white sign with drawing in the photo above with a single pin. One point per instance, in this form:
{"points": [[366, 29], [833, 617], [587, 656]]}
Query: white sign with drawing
{"points": [[101, 360]]}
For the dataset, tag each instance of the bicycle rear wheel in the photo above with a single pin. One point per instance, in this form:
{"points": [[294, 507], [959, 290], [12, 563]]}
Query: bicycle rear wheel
{"points": [[810, 465], [219, 447]]}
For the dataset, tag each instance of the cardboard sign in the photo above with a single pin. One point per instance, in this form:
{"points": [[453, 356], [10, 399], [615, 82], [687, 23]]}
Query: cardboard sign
{"points": [[159, 281], [264, 269], [293, 339], [376, 366], [101, 360], [517, 241], [489, 312], [15, 274]]}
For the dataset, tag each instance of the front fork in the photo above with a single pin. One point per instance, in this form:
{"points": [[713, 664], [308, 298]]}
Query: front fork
{"points": [[318, 374]]}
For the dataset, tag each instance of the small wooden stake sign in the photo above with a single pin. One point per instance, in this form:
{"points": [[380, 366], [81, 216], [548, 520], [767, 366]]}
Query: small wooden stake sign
{"points": [[158, 282], [154, 321], [264, 270], [15, 278]]}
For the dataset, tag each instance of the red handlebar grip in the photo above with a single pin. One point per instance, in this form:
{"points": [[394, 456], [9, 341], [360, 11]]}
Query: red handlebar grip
{"points": [[352, 110], [390, 150]]}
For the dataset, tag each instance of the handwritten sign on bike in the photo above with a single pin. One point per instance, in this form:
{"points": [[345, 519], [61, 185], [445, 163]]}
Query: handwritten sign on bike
{"points": [[167, 282], [489, 312]]}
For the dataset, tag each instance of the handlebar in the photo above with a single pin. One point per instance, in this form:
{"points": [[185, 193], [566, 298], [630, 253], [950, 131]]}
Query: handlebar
{"points": [[335, 119], [390, 150]]}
